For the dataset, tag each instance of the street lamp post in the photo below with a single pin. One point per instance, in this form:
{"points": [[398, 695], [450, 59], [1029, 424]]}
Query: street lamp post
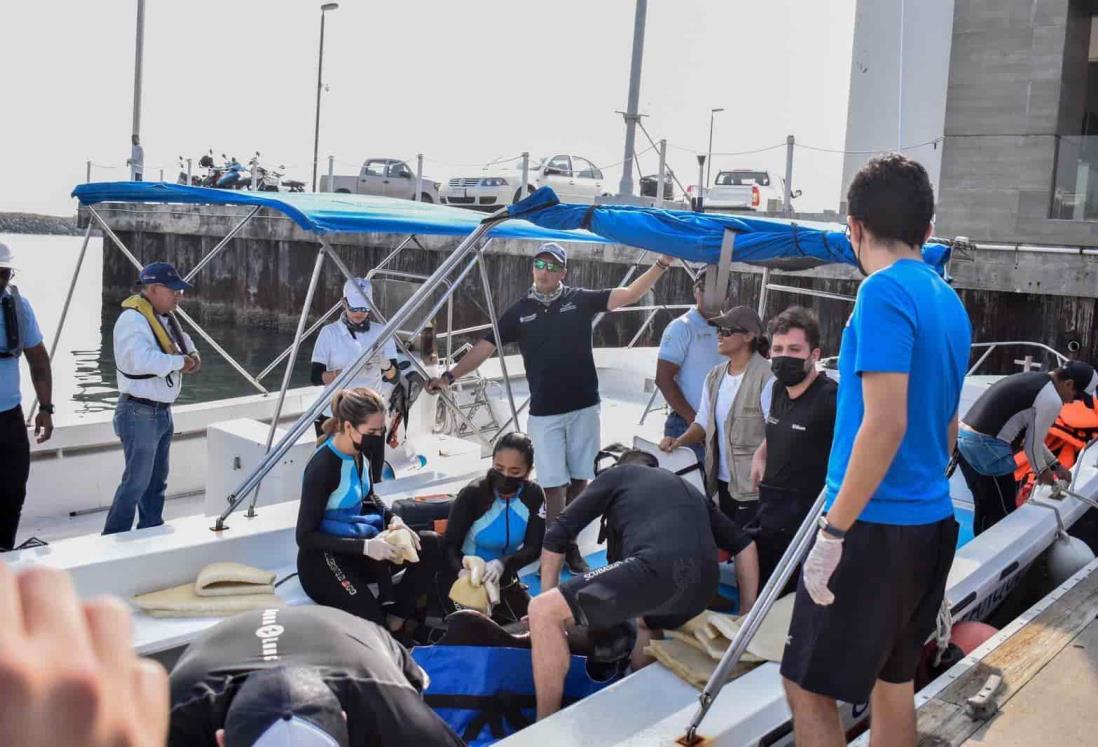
{"points": [[709, 168], [320, 85]]}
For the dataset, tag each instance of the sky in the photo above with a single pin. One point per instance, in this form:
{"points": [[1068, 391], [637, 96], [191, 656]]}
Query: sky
{"points": [[463, 83]]}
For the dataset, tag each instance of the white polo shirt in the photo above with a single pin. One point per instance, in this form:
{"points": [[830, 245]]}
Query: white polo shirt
{"points": [[336, 348]]}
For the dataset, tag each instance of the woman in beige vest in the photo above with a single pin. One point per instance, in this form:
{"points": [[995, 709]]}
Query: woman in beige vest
{"points": [[730, 419]]}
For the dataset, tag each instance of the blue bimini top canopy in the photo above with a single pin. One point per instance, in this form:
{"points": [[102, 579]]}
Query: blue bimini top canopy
{"points": [[695, 237], [772, 242]]}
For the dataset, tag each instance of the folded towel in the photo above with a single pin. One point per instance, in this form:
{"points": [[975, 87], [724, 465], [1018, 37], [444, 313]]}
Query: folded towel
{"points": [[228, 579], [182, 601], [401, 537], [691, 664], [471, 591]]}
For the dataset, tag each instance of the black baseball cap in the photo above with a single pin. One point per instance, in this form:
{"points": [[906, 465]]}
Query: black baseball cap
{"points": [[163, 273], [739, 317], [285, 707], [1085, 378]]}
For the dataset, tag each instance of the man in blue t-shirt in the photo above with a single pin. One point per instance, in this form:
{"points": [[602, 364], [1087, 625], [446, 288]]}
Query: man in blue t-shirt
{"points": [[874, 580], [688, 352], [19, 335], [552, 326]]}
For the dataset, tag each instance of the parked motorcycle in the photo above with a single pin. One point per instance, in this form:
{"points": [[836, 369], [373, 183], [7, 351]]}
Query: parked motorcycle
{"points": [[266, 180], [234, 175], [195, 179]]}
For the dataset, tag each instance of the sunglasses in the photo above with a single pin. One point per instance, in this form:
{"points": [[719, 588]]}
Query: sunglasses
{"points": [[729, 331], [358, 309], [542, 264]]}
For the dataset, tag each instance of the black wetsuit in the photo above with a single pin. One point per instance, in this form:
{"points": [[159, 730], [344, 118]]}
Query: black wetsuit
{"points": [[798, 444], [661, 536], [1017, 410], [375, 678], [333, 569]]}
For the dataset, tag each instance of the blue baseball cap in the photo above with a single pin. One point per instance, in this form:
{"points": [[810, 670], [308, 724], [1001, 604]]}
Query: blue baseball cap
{"points": [[555, 250], [163, 273]]}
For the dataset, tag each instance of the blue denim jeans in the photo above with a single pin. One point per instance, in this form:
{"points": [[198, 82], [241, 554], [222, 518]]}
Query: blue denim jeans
{"points": [[987, 455], [146, 434], [675, 426]]}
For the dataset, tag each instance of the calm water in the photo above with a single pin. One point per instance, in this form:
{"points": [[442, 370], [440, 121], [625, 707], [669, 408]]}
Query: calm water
{"points": [[83, 366]]}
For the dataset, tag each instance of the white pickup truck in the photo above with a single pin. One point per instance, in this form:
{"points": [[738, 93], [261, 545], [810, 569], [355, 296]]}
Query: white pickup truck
{"points": [[739, 189], [387, 177]]}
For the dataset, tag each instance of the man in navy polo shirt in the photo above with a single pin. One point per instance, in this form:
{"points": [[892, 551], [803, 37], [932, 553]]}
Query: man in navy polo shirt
{"points": [[874, 580], [552, 326]]}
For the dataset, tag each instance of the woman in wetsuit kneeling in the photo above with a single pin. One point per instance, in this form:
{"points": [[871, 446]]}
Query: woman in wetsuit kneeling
{"points": [[501, 518], [340, 519]]}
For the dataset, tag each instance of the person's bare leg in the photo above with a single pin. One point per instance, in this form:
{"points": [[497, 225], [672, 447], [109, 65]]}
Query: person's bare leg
{"points": [[554, 503], [575, 488], [892, 715], [815, 718], [638, 659], [549, 614]]}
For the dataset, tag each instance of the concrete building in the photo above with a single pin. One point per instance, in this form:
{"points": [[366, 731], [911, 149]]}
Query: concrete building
{"points": [[1007, 90]]}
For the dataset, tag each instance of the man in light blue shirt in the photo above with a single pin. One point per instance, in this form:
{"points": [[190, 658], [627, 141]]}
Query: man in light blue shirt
{"points": [[19, 335], [688, 351]]}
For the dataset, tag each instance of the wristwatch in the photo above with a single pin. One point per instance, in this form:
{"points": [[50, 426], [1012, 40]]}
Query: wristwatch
{"points": [[830, 530], [448, 376], [48, 409]]}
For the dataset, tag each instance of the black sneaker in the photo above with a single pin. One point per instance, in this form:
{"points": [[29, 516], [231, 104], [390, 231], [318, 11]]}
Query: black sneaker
{"points": [[575, 563]]}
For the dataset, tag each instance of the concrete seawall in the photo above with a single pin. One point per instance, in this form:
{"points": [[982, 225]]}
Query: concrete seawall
{"points": [[261, 279]]}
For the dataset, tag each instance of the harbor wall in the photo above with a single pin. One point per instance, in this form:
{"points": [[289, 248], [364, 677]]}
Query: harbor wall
{"points": [[260, 280]]}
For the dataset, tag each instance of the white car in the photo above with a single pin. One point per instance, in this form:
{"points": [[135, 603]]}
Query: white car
{"points": [[738, 189], [573, 178]]}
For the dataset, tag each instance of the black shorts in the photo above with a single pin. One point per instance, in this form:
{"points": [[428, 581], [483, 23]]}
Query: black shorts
{"points": [[888, 590], [666, 593]]}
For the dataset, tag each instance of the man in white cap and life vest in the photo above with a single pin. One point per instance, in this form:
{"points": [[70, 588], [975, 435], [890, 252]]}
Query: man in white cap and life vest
{"points": [[151, 354], [19, 335]]}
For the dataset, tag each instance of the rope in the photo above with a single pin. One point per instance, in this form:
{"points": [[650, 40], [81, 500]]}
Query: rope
{"points": [[943, 631], [902, 148]]}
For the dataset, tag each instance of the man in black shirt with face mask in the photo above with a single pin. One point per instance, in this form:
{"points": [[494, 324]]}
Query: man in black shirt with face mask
{"points": [[790, 466]]}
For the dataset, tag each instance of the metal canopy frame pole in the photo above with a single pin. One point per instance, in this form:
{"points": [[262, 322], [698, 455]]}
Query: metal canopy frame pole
{"points": [[451, 287], [399, 318], [221, 244], [495, 331], [295, 347], [64, 311], [810, 292], [313, 328], [391, 255], [791, 558], [180, 312], [622, 283]]}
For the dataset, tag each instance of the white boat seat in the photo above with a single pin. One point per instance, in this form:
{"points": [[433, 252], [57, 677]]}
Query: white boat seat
{"points": [[155, 634]]}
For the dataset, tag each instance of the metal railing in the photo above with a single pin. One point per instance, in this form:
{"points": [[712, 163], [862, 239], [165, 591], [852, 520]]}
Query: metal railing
{"points": [[992, 346]]}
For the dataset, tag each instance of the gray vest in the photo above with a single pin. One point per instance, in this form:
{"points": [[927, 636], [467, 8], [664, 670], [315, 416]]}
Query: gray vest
{"points": [[742, 432]]}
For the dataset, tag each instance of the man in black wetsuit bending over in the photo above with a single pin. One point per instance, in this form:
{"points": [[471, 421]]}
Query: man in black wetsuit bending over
{"points": [[661, 536], [302, 676]]}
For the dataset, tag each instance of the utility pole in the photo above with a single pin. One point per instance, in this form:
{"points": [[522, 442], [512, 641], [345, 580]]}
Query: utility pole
{"points": [[320, 85], [626, 185]]}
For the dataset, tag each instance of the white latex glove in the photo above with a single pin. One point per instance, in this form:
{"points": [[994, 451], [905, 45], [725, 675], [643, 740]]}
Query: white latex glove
{"points": [[378, 549], [475, 566], [493, 571], [820, 565], [398, 523]]}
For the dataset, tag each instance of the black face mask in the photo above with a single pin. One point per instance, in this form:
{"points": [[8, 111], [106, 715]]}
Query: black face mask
{"points": [[503, 484], [788, 370], [368, 443], [364, 327], [858, 260]]}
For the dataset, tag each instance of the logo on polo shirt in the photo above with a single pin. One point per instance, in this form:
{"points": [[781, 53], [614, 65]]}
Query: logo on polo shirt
{"points": [[527, 318], [568, 307], [771, 420], [797, 427]]}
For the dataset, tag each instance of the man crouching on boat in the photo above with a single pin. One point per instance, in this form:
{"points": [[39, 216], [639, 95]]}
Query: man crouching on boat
{"points": [[873, 583], [662, 537]]}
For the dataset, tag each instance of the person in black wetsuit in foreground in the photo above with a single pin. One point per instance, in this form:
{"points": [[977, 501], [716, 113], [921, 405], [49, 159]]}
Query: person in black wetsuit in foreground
{"points": [[340, 550], [662, 537], [283, 676]]}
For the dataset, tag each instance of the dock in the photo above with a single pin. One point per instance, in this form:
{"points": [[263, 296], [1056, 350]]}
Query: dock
{"points": [[1048, 660]]}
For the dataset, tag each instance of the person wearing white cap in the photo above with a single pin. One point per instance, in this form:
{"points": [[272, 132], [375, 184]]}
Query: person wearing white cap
{"points": [[340, 343], [19, 335], [552, 324]]}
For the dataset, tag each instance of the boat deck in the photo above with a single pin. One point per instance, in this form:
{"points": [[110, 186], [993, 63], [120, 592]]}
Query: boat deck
{"points": [[1049, 664]]}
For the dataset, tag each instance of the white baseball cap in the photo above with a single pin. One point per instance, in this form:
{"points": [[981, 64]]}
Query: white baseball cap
{"points": [[358, 293], [6, 257]]}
